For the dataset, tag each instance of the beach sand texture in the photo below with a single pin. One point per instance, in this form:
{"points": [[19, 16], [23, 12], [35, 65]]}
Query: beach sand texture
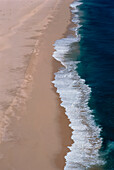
{"points": [[34, 131]]}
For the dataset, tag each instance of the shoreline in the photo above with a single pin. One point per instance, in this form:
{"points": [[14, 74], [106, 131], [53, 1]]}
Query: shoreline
{"points": [[39, 136], [62, 119], [63, 122]]}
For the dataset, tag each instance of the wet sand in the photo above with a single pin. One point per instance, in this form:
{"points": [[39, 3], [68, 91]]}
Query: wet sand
{"points": [[34, 131]]}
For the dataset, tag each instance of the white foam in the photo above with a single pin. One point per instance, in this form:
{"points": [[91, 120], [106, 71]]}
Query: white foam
{"points": [[75, 94], [75, 4]]}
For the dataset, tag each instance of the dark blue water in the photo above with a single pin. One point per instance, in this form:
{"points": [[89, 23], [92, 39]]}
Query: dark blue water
{"points": [[97, 67]]}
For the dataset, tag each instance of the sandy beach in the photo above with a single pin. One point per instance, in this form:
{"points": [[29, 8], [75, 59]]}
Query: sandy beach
{"points": [[34, 130]]}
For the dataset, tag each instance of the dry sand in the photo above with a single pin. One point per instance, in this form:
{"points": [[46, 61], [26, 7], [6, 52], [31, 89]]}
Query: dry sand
{"points": [[34, 131]]}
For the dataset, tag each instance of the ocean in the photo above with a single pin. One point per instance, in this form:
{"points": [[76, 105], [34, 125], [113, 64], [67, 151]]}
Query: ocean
{"points": [[85, 84]]}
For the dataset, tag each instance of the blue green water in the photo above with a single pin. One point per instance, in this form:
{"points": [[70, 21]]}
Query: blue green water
{"points": [[85, 84], [97, 67]]}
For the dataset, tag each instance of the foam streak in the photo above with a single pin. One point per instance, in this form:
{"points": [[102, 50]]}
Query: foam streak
{"points": [[75, 94]]}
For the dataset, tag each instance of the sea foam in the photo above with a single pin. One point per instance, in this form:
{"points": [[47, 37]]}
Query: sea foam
{"points": [[75, 95]]}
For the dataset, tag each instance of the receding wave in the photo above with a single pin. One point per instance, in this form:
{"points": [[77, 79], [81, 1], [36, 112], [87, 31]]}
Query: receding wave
{"points": [[75, 94]]}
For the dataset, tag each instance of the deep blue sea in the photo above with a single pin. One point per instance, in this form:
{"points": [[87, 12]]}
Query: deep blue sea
{"points": [[97, 67], [86, 84]]}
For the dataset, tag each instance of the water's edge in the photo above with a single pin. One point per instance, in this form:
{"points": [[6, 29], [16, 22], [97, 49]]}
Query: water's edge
{"points": [[75, 95]]}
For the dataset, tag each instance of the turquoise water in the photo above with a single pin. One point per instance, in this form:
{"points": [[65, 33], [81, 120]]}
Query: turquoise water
{"points": [[85, 84]]}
